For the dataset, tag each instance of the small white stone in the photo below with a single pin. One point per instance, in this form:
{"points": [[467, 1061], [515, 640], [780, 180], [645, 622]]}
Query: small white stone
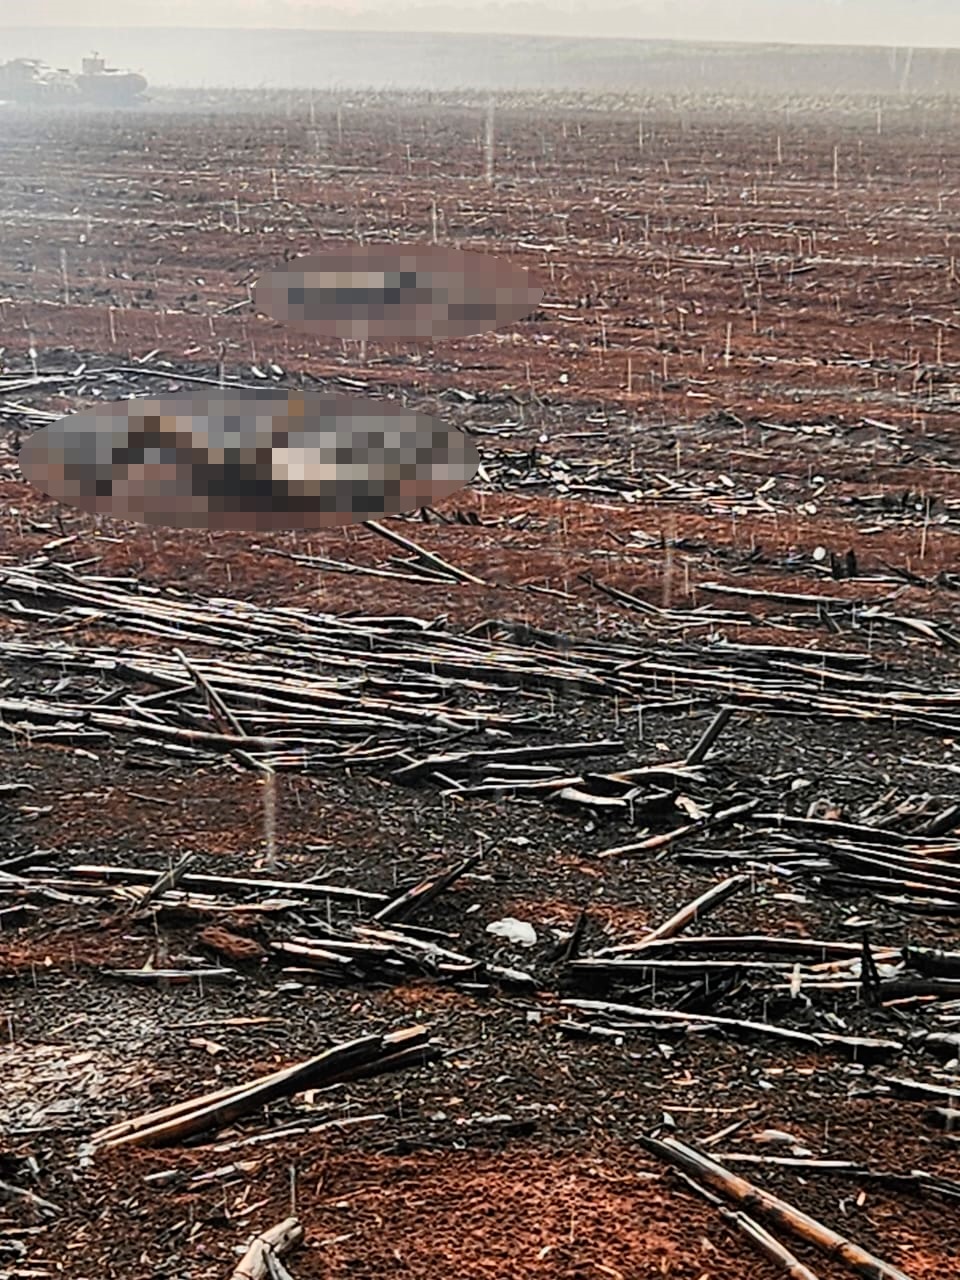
{"points": [[517, 931]]}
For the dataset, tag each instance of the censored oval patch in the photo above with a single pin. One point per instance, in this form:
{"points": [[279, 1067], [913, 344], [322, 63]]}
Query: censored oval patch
{"points": [[259, 459], [397, 291]]}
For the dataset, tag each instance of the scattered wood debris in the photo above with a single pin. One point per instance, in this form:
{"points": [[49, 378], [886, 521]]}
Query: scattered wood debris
{"points": [[369, 1055], [262, 1259], [755, 1200]]}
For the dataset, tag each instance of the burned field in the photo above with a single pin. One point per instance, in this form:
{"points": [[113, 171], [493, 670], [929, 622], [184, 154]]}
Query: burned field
{"points": [[668, 697]]}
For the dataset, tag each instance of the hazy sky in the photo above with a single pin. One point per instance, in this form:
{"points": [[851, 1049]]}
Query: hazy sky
{"points": [[916, 23]]}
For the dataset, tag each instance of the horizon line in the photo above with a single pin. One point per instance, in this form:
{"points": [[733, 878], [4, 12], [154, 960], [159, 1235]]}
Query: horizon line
{"points": [[532, 35]]}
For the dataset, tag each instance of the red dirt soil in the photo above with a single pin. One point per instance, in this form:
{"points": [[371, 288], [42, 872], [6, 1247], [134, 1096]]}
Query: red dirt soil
{"points": [[753, 298]]}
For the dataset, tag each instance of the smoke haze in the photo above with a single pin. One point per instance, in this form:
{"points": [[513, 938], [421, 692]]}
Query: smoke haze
{"points": [[921, 23]]}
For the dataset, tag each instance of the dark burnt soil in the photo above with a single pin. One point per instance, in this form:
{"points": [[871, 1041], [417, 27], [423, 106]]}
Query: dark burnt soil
{"points": [[829, 425]]}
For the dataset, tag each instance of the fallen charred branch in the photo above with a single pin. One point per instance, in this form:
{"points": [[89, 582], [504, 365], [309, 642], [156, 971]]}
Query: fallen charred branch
{"points": [[922, 904], [855, 1048], [945, 822], [922, 1091], [415, 899], [498, 787], [569, 948], [194, 908], [165, 881], [221, 714], [832, 827], [590, 1031], [787, 1216], [213, 1111], [461, 761], [783, 597], [669, 774], [574, 796], [667, 839], [915, 894], [325, 564], [627, 968], [432, 561], [46, 1207], [342, 1124], [403, 1059], [766, 1243], [32, 859], [741, 1025], [692, 912], [935, 872], [814, 949], [427, 946], [650, 844], [710, 990], [933, 963], [388, 955], [698, 753], [917, 1181], [942, 1045], [332, 959], [260, 1262], [902, 988], [172, 977], [228, 885], [683, 618]]}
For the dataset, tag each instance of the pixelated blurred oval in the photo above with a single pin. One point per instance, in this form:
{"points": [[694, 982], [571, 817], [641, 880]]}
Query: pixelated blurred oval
{"points": [[397, 291], [258, 459]]}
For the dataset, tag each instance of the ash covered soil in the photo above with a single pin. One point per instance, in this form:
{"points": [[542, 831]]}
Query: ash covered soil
{"points": [[726, 443]]}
